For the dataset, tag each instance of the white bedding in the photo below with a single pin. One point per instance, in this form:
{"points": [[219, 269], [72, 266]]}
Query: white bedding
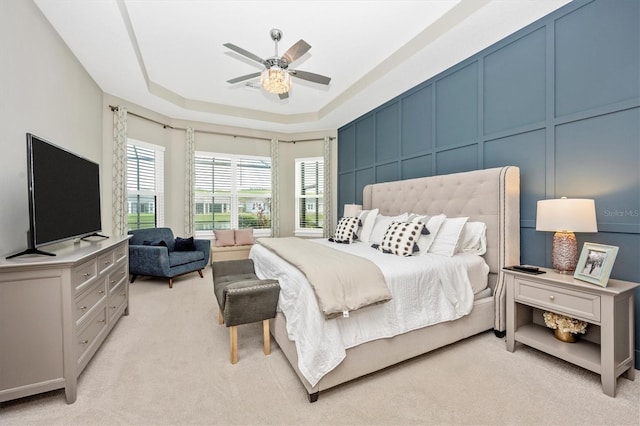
{"points": [[426, 290]]}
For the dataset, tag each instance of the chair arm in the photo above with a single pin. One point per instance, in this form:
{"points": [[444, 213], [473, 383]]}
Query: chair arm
{"points": [[203, 246], [250, 301], [149, 260]]}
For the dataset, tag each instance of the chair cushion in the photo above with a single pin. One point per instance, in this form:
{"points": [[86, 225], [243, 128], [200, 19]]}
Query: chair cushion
{"points": [[220, 281], [177, 258]]}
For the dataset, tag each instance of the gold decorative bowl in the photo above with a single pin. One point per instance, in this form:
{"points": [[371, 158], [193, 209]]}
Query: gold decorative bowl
{"points": [[564, 336]]}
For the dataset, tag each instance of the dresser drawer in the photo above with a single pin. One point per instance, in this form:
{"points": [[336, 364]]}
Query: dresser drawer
{"points": [[82, 274], [117, 276], [120, 252], [89, 334], [105, 261], [116, 300], [574, 303], [87, 300]]}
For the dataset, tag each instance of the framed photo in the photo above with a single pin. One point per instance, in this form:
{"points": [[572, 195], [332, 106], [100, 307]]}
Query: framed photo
{"points": [[595, 263]]}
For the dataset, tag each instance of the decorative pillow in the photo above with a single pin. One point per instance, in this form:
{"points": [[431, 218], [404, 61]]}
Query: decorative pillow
{"points": [[184, 244], [447, 241], [244, 237], [367, 219], [474, 238], [225, 237], [382, 224], [433, 224], [346, 230], [401, 238]]}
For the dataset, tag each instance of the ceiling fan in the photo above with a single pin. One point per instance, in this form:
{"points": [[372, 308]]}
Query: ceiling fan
{"points": [[276, 77]]}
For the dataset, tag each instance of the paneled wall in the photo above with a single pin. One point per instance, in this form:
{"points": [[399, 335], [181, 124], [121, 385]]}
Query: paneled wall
{"points": [[560, 99]]}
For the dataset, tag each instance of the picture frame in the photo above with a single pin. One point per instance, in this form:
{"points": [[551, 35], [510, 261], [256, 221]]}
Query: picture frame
{"points": [[595, 263]]}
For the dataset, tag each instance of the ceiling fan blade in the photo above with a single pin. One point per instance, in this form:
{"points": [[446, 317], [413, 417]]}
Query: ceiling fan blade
{"points": [[296, 51], [305, 75], [243, 52], [283, 95], [244, 77]]}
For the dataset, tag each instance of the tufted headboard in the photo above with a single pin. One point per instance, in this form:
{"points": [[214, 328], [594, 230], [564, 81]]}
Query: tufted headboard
{"points": [[491, 196]]}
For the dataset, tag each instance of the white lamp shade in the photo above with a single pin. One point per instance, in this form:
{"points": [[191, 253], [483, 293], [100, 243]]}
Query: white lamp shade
{"points": [[352, 210], [567, 214]]}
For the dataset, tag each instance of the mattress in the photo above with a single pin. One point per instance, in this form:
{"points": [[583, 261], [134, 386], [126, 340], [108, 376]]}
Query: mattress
{"points": [[426, 290]]}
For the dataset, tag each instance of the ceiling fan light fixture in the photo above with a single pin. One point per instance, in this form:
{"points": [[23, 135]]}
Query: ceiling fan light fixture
{"points": [[275, 80]]}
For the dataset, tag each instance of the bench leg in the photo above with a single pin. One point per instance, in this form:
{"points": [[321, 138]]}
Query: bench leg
{"points": [[200, 272], [170, 282], [220, 317], [266, 337], [233, 343]]}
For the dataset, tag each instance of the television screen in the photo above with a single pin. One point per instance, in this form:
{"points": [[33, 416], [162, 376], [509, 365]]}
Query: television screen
{"points": [[64, 193]]}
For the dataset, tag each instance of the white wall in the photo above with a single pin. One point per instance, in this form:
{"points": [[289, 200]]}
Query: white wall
{"points": [[43, 90]]}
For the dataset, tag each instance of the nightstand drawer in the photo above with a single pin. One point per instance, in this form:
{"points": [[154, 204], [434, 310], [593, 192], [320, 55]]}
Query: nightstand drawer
{"points": [[576, 304]]}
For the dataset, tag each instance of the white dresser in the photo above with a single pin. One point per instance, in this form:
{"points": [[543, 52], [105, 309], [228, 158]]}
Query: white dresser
{"points": [[55, 312]]}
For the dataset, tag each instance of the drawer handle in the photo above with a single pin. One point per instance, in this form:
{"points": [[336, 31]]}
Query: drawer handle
{"points": [[114, 307], [113, 281], [552, 297], [101, 292], [84, 342], [83, 308], [101, 321], [86, 275], [107, 262]]}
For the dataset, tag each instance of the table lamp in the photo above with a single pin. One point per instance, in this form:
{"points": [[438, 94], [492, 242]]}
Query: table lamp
{"points": [[352, 210], [565, 216]]}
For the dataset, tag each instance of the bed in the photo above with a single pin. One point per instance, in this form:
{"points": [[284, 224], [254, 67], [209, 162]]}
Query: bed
{"points": [[490, 196]]}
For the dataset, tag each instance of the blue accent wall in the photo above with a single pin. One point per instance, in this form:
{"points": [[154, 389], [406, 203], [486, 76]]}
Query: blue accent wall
{"points": [[560, 99]]}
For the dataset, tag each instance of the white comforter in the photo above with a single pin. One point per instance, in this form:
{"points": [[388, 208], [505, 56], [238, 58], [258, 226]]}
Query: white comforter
{"points": [[426, 290]]}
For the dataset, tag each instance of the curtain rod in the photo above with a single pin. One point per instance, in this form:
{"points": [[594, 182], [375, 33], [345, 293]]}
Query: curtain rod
{"points": [[168, 126]]}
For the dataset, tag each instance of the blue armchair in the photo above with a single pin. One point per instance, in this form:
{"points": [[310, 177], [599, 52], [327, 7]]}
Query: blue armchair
{"points": [[154, 252]]}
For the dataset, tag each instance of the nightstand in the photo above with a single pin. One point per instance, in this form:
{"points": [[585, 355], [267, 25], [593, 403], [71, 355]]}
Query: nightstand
{"points": [[606, 348]]}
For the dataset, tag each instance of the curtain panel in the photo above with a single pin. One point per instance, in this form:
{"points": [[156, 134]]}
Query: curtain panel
{"points": [[119, 172], [275, 196], [328, 193], [189, 180]]}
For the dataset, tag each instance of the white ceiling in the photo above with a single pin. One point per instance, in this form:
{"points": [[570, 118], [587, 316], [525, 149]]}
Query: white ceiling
{"points": [[168, 55]]}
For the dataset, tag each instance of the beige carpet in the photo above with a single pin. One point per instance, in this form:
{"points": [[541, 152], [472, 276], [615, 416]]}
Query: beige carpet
{"points": [[167, 364]]}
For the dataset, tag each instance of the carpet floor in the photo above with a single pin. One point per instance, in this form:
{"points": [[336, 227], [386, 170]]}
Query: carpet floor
{"points": [[167, 363]]}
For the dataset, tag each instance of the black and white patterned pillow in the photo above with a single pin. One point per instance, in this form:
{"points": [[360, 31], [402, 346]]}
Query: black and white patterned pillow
{"points": [[346, 230], [401, 238]]}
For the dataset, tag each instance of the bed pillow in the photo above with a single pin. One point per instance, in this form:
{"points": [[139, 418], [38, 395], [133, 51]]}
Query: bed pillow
{"points": [[382, 224], [447, 240], [367, 220], [225, 237], [474, 238], [402, 238], [433, 224], [346, 230], [244, 237]]}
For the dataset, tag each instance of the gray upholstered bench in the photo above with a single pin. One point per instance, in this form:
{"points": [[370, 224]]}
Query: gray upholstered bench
{"points": [[243, 299]]}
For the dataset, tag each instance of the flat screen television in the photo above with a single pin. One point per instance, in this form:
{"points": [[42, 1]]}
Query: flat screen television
{"points": [[64, 195]]}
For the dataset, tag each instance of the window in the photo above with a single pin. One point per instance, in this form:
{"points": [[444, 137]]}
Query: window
{"points": [[232, 192], [145, 185], [309, 196]]}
